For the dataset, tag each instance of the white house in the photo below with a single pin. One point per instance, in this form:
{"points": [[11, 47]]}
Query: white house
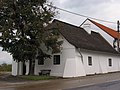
{"points": [[82, 53]]}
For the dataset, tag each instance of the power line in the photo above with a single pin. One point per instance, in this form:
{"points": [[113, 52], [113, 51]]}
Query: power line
{"points": [[80, 14]]}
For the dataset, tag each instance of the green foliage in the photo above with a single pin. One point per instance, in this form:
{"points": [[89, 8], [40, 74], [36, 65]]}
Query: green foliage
{"points": [[6, 67], [36, 78], [22, 24], [23, 28]]}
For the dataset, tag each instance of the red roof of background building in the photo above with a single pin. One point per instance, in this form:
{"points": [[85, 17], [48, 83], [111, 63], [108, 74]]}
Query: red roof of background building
{"points": [[108, 30]]}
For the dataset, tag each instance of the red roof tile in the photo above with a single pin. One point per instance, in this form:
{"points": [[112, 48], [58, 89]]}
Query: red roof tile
{"points": [[108, 30]]}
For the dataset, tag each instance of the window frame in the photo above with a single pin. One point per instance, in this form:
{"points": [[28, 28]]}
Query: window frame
{"points": [[41, 61], [90, 63], [109, 62], [55, 62]]}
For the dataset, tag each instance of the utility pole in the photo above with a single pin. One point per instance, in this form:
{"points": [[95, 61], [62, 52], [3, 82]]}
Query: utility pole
{"points": [[118, 45]]}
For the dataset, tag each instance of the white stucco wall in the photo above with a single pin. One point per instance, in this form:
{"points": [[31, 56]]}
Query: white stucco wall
{"points": [[74, 63], [27, 67], [15, 67], [20, 68], [100, 62], [67, 52], [71, 64], [88, 26]]}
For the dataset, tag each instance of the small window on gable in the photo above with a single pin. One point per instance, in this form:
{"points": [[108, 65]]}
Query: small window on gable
{"points": [[56, 59], [110, 62], [89, 60], [41, 61]]}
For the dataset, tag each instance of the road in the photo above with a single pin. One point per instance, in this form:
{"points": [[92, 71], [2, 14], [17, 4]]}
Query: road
{"points": [[115, 85], [93, 82]]}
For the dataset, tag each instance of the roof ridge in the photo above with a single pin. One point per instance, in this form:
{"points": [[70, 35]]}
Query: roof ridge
{"points": [[78, 37], [67, 23]]}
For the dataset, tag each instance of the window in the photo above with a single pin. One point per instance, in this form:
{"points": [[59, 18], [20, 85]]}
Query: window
{"points": [[56, 59], [41, 61], [89, 61], [110, 62]]}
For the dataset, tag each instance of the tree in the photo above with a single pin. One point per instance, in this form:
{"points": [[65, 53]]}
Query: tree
{"points": [[5, 67], [23, 29]]}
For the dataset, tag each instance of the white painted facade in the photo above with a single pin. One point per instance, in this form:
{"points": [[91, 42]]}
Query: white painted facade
{"points": [[70, 63], [74, 63], [88, 27], [17, 68], [100, 62]]}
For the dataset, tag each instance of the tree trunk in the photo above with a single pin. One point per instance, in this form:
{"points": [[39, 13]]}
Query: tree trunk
{"points": [[24, 68], [17, 68], [31, 67]]}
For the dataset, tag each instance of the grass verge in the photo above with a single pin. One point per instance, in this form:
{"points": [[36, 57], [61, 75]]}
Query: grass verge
{"points": [[36, 78]]}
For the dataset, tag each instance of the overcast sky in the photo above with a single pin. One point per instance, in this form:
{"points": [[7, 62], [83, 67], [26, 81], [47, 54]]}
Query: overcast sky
{"points": [[101, 9]]}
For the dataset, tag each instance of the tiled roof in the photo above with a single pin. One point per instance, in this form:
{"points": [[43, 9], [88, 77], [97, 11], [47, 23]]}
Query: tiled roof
{"points": [[78, 37], [108, 30]]}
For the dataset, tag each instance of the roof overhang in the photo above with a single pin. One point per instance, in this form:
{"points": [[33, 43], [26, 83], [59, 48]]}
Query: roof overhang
{"points": [[108, 30]]}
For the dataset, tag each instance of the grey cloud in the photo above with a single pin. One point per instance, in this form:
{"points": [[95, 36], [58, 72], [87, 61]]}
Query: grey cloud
{"points": [[5, 57], [83, 3], [101, 9]]}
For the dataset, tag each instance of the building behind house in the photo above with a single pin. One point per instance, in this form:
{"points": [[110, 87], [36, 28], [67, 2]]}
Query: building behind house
{"points": [[82, 53]]}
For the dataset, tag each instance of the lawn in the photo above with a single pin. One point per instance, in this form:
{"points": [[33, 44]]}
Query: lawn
{"points": [[36, 78], [10, 78]]}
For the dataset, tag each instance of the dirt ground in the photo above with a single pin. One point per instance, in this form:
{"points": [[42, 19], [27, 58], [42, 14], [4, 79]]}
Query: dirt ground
{"points": [[8, 82], [8, 78]]}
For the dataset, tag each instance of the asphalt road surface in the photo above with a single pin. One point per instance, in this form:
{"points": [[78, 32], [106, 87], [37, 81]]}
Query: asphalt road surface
{"points": [[115, 85]]}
